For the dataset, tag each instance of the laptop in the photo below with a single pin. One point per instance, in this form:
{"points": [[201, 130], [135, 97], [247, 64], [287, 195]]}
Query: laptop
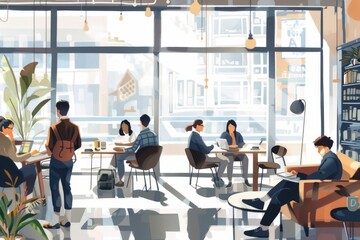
{"points": [[222, 143], [257, 147], [288, 176], [25, 147]]}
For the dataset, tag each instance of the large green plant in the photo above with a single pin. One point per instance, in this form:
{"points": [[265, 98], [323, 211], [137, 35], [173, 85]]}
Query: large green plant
{"points": [[24, 97], [13, 219]]}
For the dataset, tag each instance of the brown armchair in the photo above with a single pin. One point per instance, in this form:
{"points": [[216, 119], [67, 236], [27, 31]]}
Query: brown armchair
{"points": [[318, 198]]}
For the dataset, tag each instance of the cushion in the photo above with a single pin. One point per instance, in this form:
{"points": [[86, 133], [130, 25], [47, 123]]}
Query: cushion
{"points": [[350, 167]]}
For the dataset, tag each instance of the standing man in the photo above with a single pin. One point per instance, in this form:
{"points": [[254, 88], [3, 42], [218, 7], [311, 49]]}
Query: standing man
{"points": [[63, 139], [287, 191], [145, 138]]}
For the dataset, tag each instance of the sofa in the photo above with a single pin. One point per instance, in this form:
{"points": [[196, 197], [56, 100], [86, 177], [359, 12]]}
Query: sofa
{"points": [[318, 198]]}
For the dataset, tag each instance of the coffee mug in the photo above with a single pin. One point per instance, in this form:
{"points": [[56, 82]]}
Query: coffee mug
{"points": [[103, 145], [97, 145], [352, 203]]}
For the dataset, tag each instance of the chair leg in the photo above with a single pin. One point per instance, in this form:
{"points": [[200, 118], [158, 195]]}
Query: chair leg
{"points": [[136, 174], [157, 185], [145, 180], [192, 170], [306, 230], [127, 184], [262, 173], [149, 179], [197, 178]]}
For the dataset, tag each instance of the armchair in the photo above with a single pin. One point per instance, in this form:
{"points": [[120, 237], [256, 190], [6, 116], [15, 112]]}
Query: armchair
{"points": [[318, 198]]}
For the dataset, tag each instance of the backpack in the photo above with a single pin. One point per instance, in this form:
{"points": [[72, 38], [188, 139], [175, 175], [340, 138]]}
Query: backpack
{"points": [[106, 179], [64, 149]]}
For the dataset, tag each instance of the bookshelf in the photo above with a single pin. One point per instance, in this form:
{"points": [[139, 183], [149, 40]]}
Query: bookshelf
{"points": [[349, 104]]}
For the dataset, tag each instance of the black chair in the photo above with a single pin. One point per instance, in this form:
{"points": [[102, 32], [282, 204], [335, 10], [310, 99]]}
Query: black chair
{"points": [[9, 174], [197, 161], [279, 152], [146, 159]]}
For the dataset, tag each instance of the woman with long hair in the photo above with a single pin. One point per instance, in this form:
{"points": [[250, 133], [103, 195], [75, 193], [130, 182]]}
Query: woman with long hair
{"points": [[196, 143], [235, 140]]}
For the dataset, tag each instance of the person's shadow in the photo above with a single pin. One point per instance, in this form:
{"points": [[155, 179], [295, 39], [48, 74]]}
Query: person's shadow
{"points": [[156, 196], [199, 222]]}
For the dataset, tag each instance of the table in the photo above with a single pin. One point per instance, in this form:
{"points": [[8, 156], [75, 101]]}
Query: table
{"points": [[37, 159], [101, 152], [344, 215], [245, 150], [235, 201]]}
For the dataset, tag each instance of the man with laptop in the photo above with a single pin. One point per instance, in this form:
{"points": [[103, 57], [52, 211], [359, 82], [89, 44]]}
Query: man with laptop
{"points": [[8, 149], [287, 191]]}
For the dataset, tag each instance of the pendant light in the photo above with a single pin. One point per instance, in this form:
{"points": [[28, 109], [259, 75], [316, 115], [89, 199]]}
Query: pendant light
{"points": [[250, 42], [195, 7], [206, 80], [121, 15], [86, 25], [148, 12]]}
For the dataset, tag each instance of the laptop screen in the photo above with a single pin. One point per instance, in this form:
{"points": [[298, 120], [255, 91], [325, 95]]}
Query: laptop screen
{"points": [[25, 147]]}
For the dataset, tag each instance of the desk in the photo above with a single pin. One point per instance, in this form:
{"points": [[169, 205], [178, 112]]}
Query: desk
{"points": [[344, 215], [37, 161], [235, 201], [101, 152], [255, 154]]}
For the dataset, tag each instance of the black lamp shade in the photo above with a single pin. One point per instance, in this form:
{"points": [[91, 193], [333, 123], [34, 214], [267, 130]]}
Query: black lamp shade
{"points": [[297, 107]]}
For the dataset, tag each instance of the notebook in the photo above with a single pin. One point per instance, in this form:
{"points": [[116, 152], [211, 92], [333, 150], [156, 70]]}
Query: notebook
{"points": [[288, 176], [25, 147]]}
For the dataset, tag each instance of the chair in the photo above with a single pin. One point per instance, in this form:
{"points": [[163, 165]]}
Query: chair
{"points": [[280, 152], [318, 198], [197, 161], [9, 165], [146, 158]]}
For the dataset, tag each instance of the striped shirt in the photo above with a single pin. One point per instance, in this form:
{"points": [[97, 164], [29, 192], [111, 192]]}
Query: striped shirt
{"points": [[145, 138]]}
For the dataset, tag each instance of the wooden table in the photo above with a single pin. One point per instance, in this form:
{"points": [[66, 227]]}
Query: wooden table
{"points": [[101, 152], [246, 150], [37, 161]]}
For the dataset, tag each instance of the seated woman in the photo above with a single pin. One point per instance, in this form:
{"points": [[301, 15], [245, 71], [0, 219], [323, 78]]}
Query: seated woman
{"points": [[126, 138], [235, 139], [8, 149], [196, 143]]}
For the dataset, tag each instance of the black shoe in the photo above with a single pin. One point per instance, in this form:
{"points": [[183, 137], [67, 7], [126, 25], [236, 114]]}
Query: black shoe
{"points": [[49, 226], [65, 224], [257, 232], [256, 203], [229, 185], [247, 183]]}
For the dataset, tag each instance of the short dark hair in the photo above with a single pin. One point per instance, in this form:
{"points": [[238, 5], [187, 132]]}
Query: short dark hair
{"points": [[63, 106], [5, 123], [145, 120], [323, 141]]}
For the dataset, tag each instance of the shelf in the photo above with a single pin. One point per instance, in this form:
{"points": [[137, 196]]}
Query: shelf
{"points": [[350, 143], [354, 102], [352, 68], [351, 84], [349, 122]]}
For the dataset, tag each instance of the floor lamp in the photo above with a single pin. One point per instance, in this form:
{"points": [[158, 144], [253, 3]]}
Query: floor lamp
{"points": [[299, 107]]}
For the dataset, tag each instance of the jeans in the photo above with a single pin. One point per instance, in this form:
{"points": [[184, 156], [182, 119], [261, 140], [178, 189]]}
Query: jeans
{"points": [[120, 158], [60, 170]]}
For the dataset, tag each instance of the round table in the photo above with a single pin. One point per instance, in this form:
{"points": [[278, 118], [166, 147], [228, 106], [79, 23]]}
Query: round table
{"points": [[344, 215], [235, 201]]}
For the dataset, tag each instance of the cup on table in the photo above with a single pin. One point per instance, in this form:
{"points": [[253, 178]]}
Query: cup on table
{"points": [[97, 145], [352, 203], [103, 145]]}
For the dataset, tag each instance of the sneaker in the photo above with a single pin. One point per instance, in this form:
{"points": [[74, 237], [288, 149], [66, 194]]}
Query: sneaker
{"points": [[119, 184], [49, 226], [65, 224], [229, 185], [247, 183], [257, 232], [255, 203]]}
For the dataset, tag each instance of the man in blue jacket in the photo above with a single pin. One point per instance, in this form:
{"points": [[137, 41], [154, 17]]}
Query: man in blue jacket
{"points": [[287, 191]]}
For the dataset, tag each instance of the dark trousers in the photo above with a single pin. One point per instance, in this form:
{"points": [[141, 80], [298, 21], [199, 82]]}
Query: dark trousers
{"points": [[283, 193], [60, 170], [29, 173]]}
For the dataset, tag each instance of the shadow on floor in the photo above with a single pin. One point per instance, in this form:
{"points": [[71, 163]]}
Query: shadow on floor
{"points": [[200, 221]]}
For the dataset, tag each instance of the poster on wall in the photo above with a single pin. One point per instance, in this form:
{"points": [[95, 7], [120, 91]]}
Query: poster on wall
{"points": [[293, 35]]}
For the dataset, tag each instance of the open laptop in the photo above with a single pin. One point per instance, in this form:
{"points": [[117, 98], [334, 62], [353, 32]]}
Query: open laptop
{"points": [[25, 147], [257, 147], [222, 143]]}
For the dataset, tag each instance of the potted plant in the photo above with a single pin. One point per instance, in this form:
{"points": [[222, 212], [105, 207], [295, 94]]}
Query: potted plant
{"points": [[24, 97], [352, 56], [17, 213]]}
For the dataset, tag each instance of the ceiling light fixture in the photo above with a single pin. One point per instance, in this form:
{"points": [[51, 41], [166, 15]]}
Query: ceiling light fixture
{"points": [[250, 42], [148, 12], [121, 15], [86, 25], [195, 7]]}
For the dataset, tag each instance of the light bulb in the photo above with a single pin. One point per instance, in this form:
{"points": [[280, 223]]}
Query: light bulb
{"points": [[167, 1], [195, 7], [148, 11], [86, 26], [121, 17], [250, 42]]}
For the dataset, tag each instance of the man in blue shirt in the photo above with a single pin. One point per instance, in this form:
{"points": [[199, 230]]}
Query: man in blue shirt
{"points": [[287, 191], [145, 138]]}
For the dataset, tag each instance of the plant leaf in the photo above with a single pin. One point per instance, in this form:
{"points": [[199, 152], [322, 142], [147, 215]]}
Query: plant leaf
{"points": [[39, 106], [8, 76], [34, 223], [8, 175], [23, 86]]}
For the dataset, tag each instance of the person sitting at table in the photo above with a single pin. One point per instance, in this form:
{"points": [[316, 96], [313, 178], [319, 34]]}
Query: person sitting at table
{"points": [[235, 140], [8, 149], [196, 143], [287, 191], [145, 138]]}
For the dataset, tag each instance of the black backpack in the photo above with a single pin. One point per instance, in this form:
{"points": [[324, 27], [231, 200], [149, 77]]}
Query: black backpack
{"points": [[106, 179]]}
